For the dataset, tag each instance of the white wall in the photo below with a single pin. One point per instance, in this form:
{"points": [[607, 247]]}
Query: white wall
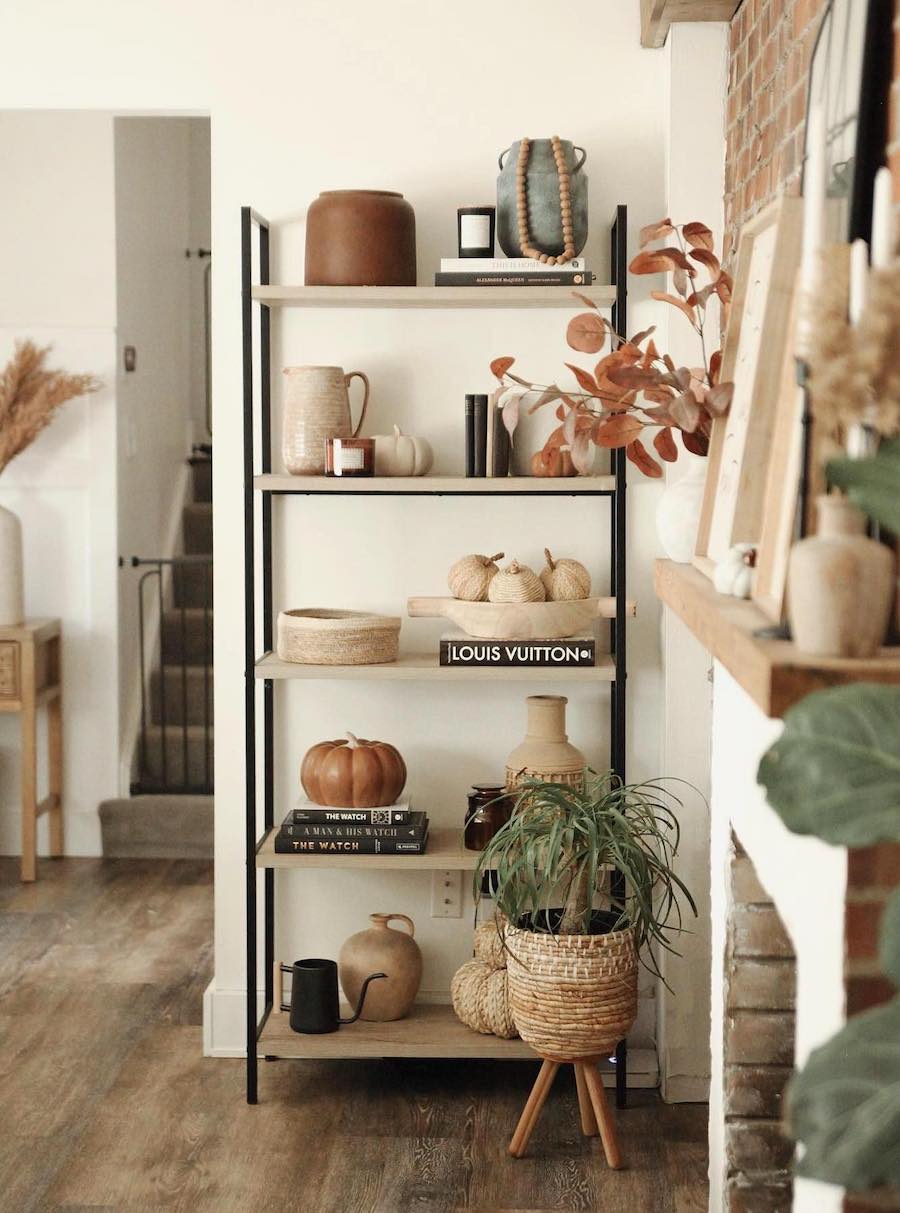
{"points": [[425, 112], [695, 160], [807, 881], [58, 287], [158, 165]]}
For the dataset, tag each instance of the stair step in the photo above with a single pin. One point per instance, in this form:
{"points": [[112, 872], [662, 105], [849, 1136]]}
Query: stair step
{"points": [[158, 827], [197, 528], [181, 692], [186, 636], [198, 742], [201, 477], [192, 585]]}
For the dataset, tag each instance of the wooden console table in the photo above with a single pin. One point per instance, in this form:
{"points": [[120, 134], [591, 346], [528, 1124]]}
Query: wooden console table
{"points": [[30, 677]]}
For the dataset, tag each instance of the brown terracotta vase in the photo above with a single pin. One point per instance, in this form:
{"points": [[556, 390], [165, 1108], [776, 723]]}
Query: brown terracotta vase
{"points": [[360, 238], [381, 949]]}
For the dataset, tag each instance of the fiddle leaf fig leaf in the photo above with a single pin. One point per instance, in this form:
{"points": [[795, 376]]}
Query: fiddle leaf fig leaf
{"points": [[874, 484], [844, 1106], [835, 771]]}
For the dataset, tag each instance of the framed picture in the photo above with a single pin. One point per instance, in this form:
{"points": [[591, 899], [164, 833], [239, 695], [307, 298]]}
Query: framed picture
{"points": [[740, 446], [849, 77], [782, 485]]}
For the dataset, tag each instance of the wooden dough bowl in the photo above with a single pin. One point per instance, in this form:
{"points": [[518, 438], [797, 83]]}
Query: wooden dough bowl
{"points": [[517, 620]]}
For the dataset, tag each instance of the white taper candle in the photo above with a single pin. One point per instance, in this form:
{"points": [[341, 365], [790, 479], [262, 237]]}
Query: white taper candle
{"points": [[883, 220], [859, 279]]}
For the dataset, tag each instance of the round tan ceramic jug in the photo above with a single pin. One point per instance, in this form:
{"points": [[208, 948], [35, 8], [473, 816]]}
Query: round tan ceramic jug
{"points": [[316, 407], [392, 952]]}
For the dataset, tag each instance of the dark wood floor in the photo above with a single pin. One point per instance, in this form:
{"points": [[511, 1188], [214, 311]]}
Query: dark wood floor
{"points": [[107, 1104]]}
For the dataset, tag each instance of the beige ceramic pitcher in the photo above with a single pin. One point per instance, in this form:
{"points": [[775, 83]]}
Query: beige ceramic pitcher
{"points": [[316, 407]]}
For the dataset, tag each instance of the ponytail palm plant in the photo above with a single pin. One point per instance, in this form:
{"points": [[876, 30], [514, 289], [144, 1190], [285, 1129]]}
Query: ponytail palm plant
{"points": [[551, 858]]}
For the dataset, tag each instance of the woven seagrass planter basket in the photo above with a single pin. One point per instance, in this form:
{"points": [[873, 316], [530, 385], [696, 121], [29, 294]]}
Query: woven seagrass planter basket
{"points": [[572, 996]]}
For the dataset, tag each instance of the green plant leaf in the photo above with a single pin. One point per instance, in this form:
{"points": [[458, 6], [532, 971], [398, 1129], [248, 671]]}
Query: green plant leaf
{"points": [[889, 948], [844, 1106], [835, 771], [874, 484]]}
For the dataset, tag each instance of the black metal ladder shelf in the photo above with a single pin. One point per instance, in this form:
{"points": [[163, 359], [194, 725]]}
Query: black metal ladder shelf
{"points": [[416, 1035]]}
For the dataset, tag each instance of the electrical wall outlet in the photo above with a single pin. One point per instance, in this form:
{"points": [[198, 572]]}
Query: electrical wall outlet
{"points": [[446, 895]]}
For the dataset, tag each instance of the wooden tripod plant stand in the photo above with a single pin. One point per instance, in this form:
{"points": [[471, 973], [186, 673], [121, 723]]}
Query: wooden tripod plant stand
{"points": [[592, 1104]]}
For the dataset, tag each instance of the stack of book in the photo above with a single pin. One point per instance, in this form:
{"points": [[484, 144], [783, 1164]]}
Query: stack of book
{"points": [[314, 829], [511, 271], [487, 440]]}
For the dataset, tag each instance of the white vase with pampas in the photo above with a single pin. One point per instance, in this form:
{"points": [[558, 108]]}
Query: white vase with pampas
{"points": [[29, 397], [12, 596]]}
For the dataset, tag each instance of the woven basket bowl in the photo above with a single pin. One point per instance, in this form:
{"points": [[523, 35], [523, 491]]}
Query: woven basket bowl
{"points": [[572, 995], [322, 636]]}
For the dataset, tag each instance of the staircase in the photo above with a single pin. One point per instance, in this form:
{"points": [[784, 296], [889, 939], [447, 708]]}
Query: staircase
{"points": [[170, 812]]}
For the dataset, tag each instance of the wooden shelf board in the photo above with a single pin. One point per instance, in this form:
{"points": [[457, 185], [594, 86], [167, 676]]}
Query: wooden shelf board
{"points": [[430, 296], [430, 1030], [772, 672], [424, 666], [445, 850], [658, 15], [573, 486]]}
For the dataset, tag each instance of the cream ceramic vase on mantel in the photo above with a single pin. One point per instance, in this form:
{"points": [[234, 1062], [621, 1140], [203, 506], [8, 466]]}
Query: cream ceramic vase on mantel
{"points": [[12, 596], [840, 585], [546, 753]]}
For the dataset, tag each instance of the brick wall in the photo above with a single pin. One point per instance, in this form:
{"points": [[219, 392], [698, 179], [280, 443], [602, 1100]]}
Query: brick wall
{"points": [[760, 984], [769, 51]]}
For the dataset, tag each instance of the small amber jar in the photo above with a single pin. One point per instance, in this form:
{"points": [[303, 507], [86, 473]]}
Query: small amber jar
{"points": [[349, 456], [490, 807]]}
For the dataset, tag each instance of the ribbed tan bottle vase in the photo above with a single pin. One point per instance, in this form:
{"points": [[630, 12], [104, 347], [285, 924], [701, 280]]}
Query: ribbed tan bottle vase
{"points": [[546, 753], [840, 585], [381, 949]]}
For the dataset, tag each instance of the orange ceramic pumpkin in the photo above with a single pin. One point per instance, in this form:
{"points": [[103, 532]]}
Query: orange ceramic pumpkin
{"points": [[353, 773], [559, 463]]}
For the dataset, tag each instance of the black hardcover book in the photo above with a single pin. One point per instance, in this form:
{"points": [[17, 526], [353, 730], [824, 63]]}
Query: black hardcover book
{"points": [[554, 278], [481, 435], [286, 845], [319, 815], [470, 435], [414, 828], [574, 653], [500, 453]]}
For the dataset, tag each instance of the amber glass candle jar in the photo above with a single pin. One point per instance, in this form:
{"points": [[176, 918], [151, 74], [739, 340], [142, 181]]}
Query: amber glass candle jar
{"points": [[490, 807], [349, 456]]}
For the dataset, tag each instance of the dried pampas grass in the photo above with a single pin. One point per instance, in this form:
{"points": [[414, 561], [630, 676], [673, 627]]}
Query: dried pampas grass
{"points": [[30, 395], [855, 371]]}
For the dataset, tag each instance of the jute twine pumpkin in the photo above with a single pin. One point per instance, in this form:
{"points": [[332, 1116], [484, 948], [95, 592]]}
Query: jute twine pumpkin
{"points": [[565, 580], [480, 997], [470, 577], [516, 583], [479, 989], [572, 996]]}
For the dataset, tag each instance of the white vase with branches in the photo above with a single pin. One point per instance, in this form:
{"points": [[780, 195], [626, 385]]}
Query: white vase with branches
{"points": [[30, 394]]}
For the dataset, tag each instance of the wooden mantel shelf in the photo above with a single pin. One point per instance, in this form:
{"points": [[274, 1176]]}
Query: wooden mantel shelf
{"points": [[658, 15], [772, 672]]}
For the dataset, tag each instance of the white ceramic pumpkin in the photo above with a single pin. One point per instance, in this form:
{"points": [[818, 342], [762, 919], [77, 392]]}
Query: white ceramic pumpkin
{"points": [[400, 454], [734, 573]]}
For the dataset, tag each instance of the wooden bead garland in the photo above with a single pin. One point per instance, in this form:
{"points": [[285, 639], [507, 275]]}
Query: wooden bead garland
{"points": [[565, 204]]}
